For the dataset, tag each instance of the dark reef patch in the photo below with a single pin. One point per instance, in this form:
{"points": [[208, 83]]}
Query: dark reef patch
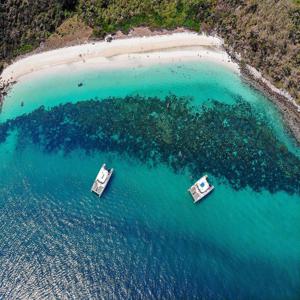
{"points": [[229, 141]]}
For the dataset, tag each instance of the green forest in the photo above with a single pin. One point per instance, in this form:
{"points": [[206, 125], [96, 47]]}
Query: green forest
{"points": [[265, 33]]}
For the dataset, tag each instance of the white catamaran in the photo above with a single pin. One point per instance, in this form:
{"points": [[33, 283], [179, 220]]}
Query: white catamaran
{"points": [[101, 180], [200, 189]]}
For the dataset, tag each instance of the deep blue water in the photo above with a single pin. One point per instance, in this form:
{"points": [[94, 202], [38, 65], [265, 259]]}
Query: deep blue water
{"points": [[144, 239]]}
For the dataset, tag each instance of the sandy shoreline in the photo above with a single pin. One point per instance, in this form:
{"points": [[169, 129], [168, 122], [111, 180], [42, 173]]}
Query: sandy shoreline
{"points": [[185, 46]]}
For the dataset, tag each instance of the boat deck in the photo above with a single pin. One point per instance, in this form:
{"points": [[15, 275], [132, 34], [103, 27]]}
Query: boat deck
{"points": [[97, 188], [101, 180]]}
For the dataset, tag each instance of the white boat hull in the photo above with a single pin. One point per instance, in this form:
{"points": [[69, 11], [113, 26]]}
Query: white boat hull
{"points": [[98, 186]]}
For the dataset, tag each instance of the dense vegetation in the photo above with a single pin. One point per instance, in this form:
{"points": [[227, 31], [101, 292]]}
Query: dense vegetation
{"points": [[24, 23], [108, 16], [266, 33]]}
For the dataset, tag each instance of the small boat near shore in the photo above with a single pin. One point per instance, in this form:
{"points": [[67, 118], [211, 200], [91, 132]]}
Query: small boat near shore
{"points": [[101, 180], [200, 189]]}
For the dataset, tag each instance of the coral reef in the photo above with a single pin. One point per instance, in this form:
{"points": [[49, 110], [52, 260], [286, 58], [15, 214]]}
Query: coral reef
{"points": [[232, 142]]}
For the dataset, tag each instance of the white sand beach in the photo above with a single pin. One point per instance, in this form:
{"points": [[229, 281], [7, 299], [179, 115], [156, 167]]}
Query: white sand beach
{"points": [[129, 52]]}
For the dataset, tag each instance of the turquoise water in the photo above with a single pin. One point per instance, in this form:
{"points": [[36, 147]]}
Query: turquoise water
{"points": [[145, 238]]}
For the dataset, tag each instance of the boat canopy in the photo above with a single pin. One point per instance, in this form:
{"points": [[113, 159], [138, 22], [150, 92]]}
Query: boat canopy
{"points": [[203, 185], [103, 174]]}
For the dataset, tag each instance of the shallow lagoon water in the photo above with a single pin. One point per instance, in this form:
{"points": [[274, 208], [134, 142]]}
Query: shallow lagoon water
{"points": [[145, 238]]}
